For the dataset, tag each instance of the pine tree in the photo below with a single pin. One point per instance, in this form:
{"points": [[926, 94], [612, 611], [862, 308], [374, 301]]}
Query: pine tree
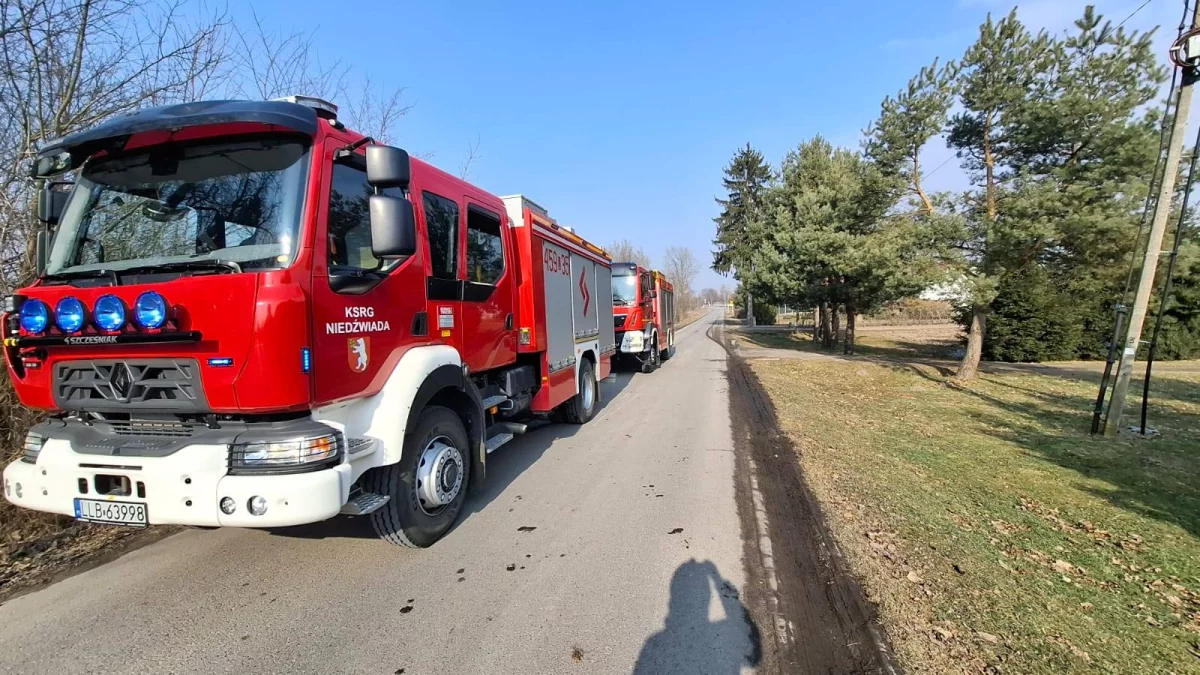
{"points": [[1060, 151], [831, 243], [906, 123], [747, 178], [998, 71]]}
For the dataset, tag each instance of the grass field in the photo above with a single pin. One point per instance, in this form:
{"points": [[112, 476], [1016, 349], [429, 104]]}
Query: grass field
{"points": [[993, 532]]}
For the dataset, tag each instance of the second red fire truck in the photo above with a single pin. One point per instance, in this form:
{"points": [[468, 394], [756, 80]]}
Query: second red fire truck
{"points": [[643, 314], [248, 315]]}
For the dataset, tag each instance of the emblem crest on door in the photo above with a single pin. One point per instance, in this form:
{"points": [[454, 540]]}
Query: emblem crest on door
{"points": [[358, 353]]}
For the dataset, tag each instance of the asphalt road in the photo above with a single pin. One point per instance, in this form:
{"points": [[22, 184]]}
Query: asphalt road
{"points": [[634, 565]]}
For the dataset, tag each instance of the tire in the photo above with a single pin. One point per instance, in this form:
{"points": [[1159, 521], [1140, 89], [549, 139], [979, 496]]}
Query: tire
{"points": [[651, 363], [405, 520], [667, 353], [574, 411]]}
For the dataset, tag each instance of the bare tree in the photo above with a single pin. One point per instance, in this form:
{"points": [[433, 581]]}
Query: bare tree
{"points": [[66, 65], [276, 63], [464, 170], [375, 112], [681, 269], [625, 251]]}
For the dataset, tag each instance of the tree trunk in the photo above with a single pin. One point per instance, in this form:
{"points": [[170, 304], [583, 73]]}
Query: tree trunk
{"points": [[970, 363], [851, 317], [926, 203], [826, 328], [837, 327], [989, 162], [817, 323]]}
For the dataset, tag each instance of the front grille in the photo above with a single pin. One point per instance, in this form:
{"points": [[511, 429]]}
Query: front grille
{"points": [[619, 320], [134, 384], [152, 428]]}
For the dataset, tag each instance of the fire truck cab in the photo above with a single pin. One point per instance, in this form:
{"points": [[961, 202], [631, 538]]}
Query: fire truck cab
{"points": [[248, 315], [643, 314]]}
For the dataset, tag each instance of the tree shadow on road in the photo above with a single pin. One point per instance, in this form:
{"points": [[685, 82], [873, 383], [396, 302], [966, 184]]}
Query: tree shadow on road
{"points": [[692, 643], [503, 467]]}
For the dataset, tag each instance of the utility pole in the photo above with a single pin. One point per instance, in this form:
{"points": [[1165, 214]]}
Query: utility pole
{"points": [[1158, 228]]}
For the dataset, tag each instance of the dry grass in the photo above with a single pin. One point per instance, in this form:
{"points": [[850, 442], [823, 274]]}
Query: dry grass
{"points": [[34, 546], [993, 532]]}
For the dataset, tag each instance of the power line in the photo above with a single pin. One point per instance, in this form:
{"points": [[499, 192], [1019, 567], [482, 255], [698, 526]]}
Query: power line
{"points": [[1155, 177], [944, 163]]}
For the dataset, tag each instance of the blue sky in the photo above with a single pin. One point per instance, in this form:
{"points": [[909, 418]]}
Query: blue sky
{"points": [[619, 116]]}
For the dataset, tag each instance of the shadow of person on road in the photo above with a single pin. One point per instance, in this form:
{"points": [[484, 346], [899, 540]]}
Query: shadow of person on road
{"points": [[692, 643]]}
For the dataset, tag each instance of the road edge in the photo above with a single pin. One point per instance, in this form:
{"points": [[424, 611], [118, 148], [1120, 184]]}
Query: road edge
{"points": [[66, 569], [799, 582]]}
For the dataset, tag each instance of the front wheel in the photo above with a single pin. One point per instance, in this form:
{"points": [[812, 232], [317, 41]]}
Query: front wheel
{"points": [[582, 407], [651, 363], [428, 486]]}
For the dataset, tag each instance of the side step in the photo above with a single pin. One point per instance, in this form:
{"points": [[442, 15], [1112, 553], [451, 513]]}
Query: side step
{"points": [[493, 401], [364, 503], [496, 441], [502, 432]]}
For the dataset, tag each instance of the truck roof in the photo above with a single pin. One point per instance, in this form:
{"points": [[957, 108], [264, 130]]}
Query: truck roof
{"points": [[116, 131]]}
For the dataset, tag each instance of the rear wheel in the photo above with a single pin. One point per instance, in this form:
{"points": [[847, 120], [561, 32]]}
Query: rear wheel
{"points": [[428, 486], [670, 350], [582, 407]]}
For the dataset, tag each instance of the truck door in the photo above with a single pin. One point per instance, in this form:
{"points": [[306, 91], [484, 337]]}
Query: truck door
{"points": [[444, 286], [646, 297], [488, 333], [364, 309]]}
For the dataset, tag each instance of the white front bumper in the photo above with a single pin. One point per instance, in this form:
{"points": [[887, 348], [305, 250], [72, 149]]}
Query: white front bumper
{"points": [[633, 342], [183, 488]]}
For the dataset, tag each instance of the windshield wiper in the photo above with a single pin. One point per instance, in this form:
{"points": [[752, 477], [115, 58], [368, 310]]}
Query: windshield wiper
{"points": [[81, 274], [183, 265]]}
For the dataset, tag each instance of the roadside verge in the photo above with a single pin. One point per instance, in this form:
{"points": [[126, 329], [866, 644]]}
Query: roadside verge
{"points": [[800, 583]]}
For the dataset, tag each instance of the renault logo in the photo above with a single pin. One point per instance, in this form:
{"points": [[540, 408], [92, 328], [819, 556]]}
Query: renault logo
{"points": [[120, 381]]}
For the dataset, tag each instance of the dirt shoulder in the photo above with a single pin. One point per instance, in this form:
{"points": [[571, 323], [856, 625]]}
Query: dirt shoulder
{"points": [[800, 584], [70, 547]]}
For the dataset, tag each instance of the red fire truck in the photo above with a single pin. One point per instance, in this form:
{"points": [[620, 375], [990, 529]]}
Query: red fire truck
{"points": [[643, 315], [248, 315]]}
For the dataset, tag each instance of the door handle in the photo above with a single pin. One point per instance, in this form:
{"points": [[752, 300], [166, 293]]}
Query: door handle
{"points": [[508, 321]]}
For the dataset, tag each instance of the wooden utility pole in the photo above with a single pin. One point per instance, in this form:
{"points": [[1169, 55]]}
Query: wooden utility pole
{"points": [[1158, 228]]}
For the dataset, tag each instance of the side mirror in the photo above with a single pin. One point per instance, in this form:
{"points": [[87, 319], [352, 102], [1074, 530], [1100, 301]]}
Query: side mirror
{"points": [[653, 295], [41, 250], [50, 204], [393, 227], [388, 167]]}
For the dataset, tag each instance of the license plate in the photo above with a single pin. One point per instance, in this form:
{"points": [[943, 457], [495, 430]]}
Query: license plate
{"points": [[118, 513]]}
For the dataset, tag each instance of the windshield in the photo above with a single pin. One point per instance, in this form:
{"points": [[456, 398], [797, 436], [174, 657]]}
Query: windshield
{"points": [[236, 202], [624, 290]]}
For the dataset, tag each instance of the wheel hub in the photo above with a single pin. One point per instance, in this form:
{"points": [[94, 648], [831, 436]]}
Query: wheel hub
{"points": [[439, 474], [589, 393]]}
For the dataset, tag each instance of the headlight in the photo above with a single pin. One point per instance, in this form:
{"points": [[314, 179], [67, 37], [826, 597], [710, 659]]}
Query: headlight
{"points": [[292, 454], [33, 447], [109, 313], [150, 310], [68, 314], [35, 315]]}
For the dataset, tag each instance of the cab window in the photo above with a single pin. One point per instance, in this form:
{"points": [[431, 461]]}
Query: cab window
{"points": [[485, 248], [349, 223], [441, 224]]}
